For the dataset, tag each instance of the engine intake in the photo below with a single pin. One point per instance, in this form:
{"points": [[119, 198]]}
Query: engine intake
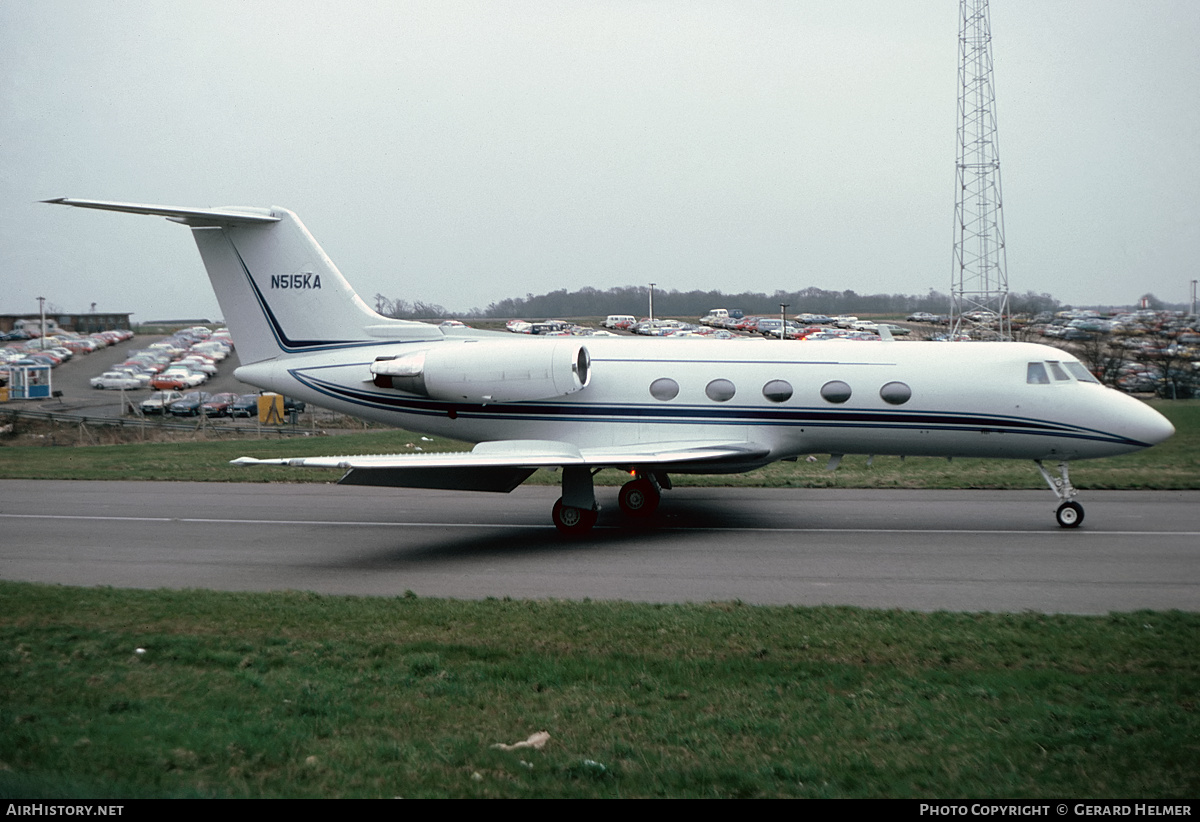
{"points": [[488, 371]]}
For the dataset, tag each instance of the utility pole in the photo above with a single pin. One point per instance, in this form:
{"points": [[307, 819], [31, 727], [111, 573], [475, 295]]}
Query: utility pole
{"points": [[979, 282]]}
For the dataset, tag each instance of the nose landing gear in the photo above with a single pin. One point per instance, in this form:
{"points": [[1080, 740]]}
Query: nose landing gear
{"points": [[1069, 513]]}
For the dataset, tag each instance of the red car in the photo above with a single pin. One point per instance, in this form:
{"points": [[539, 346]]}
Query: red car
{"points": [[220, 405]]}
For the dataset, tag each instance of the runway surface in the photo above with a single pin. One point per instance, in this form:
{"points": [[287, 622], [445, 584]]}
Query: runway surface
{"points": [[920, 550]]}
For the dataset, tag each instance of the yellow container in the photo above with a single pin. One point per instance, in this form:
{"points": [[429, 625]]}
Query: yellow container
{"points": [[270, 409]]}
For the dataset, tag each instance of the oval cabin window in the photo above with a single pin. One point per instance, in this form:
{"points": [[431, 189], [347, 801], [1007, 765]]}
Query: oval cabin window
{"points": [[664, 388], [895, 393], [778, 391], [720, 390], [835, 391]]}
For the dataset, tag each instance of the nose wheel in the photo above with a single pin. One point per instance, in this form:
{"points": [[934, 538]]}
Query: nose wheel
{"points": [[1069, 515]]}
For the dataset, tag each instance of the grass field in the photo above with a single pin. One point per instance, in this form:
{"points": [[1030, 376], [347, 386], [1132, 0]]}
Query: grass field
{"points": [[302, 695], [295, 694]]}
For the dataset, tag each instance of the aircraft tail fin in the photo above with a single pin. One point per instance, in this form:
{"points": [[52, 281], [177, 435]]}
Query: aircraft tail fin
{"points": [[280, 293]]}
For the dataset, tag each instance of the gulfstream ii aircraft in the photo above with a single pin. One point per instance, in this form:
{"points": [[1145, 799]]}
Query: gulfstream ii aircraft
{"points": [[644, 406]]}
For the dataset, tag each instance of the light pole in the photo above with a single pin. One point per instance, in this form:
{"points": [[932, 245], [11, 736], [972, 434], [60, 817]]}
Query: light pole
{"points": [[652, 303], [1193, 296], [42, 312], [782, 319]]}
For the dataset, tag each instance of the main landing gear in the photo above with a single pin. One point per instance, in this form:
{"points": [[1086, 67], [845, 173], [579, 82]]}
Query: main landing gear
{"points": [[1069, 513], [573, 521], [576, 510], [639, 497]]}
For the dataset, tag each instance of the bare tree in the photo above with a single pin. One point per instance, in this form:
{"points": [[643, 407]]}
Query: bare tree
{"points": [[1101, 356]]}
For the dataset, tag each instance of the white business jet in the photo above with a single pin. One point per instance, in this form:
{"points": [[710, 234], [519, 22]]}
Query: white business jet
{"points": [[647, 407]]}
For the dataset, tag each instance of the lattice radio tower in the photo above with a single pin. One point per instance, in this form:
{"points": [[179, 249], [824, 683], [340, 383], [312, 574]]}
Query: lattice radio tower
{"points": [[979, 284]]}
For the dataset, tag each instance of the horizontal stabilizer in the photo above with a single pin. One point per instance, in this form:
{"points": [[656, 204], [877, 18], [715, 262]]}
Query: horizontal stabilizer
{"points": [[196, 217]]}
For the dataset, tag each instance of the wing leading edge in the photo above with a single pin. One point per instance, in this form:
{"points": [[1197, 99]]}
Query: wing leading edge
{"points": [[502, 465]]}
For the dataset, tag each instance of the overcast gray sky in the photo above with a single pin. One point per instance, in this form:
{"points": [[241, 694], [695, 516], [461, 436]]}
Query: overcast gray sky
{"points": [[464, 152]]}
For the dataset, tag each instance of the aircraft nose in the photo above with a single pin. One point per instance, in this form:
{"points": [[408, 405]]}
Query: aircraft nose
{"points": [[1152, 427]]}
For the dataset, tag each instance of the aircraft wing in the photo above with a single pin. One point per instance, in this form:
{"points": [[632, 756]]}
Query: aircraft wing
{"points": [[502, 465]]}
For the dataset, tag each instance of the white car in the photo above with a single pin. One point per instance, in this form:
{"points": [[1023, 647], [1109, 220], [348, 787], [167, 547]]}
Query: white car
{"points": [[116, 379], [159, 401], [190, 377], [141, 375], [196, 363]]}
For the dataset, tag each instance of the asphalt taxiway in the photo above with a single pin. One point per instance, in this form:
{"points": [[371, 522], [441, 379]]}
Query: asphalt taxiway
{"points": [[921, 550]]}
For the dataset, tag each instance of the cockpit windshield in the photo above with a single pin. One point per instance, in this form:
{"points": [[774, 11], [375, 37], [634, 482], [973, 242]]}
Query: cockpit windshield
{"points": [[1043, 373], [1079, 372]]}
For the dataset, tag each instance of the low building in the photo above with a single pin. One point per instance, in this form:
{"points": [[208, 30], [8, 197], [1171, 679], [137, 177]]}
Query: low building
{"points": [[80, 323]]}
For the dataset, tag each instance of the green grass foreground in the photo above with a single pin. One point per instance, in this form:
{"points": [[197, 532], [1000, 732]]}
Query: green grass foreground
{"points": [[1173, 465], [302, 695]]}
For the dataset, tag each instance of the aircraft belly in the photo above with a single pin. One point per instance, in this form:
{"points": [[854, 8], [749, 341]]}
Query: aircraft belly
{"points": [[992, 442]]}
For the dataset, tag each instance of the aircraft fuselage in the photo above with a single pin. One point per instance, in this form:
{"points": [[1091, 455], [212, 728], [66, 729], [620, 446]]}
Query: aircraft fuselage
{"points": [[841, 397]]}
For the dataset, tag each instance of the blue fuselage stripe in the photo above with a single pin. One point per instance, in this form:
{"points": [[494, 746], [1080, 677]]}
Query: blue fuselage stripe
{"points": [[613, 413]]}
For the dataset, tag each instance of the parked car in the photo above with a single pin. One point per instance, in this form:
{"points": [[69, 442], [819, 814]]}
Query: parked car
{"points": [[190, 405], [245, 405], [178, 377], [220, 405], [116, 380], [159, 401]]}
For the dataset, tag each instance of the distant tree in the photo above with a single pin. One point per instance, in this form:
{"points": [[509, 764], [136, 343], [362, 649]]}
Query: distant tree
{"points": [[404, 310], [1172, 370], [1032, 303], [631, 299], [1101, 355]]}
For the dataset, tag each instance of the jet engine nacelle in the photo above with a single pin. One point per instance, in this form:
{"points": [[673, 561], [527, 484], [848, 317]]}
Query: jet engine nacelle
{"points": [[477, 371]]}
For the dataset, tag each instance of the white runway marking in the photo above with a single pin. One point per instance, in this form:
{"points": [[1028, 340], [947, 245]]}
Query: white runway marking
{"points": [[1083, 532]]}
